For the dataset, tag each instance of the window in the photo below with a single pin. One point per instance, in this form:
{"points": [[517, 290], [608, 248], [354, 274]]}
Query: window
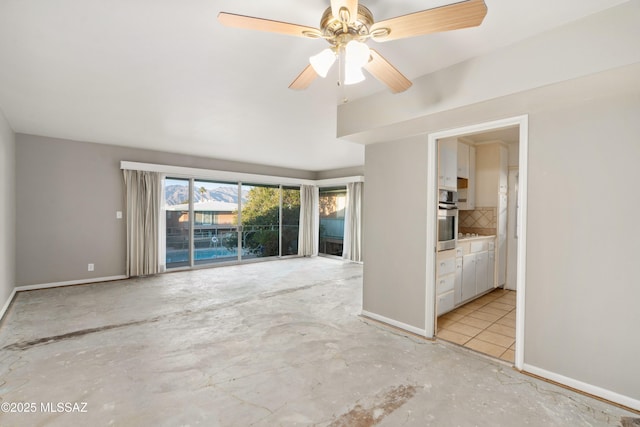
{"points": [[230, 222], [333, 202]]}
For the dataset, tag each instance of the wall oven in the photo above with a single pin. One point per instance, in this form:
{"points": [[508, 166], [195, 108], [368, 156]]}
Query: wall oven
{"points": [[447, 220]]}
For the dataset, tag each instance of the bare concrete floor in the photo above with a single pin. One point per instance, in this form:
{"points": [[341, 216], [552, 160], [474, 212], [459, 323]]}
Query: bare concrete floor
{"points": [[266, 344]]}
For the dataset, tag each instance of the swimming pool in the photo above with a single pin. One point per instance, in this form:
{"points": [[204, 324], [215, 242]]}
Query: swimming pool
{"points": [[201, 254]]}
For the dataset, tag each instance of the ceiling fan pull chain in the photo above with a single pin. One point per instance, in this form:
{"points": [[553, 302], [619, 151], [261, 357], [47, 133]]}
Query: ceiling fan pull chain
{"points": [[341, 66]]}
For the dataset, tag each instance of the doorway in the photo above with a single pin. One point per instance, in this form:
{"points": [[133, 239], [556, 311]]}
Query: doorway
{"points": [[491, 318]]}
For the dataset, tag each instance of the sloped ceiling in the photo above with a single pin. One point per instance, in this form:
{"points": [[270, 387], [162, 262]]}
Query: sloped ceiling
{"points": [[165, 75]]}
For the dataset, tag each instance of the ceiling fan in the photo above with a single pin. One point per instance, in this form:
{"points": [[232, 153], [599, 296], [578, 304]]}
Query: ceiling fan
{"points": [[347, 25]]}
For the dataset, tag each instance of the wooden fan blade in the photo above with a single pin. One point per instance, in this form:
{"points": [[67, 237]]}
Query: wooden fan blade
{"points": [[350, 5], [259, 24], [469, 13], [304, 79], [382, 70]]}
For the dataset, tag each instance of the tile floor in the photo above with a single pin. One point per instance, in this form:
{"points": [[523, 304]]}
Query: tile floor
{"points": [[487, 325]]}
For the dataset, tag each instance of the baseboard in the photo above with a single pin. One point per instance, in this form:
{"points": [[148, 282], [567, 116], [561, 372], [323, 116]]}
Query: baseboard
{"points": [[395, 323], [600, 392], [68, 283], [8, 303]]}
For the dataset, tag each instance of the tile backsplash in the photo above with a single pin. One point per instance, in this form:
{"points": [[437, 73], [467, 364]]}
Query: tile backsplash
{"points": [[482, 221]]}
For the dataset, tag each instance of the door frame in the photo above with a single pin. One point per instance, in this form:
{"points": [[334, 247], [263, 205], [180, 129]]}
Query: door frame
{"points": [[432, 202]]}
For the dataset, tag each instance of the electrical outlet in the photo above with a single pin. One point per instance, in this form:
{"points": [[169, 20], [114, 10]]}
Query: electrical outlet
{"points": [[90, 267], [118, 214]]}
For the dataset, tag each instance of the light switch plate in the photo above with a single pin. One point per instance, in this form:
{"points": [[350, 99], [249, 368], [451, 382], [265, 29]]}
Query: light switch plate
{"points": [[118, 214]]}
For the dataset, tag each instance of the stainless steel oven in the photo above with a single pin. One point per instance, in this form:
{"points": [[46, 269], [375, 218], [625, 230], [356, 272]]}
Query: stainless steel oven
{"points": [[447, 220]]}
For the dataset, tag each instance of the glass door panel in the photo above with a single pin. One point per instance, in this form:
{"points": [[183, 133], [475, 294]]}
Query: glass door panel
{"points": [[178, 233], [215, 222], [260, 217], [332, 207], [290, 220]]}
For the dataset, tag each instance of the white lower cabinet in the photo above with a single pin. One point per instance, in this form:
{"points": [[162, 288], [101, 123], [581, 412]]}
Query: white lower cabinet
{"points": [[457, 296], [492, 269], [477, 273], [445, 281], [482, 279], [445, 284], [464, 273], [445, 302], [468, 277]]}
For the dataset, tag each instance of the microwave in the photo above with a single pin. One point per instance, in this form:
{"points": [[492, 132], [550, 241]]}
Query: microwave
{"points": [[448, 197]]}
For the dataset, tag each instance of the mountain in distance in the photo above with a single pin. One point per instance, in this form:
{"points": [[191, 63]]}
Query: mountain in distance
{"points": [[178, 194]]}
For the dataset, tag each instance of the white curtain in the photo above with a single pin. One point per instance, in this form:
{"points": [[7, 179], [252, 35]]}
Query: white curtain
{"points": [[143, 198], [352, 247], [309, 208]]}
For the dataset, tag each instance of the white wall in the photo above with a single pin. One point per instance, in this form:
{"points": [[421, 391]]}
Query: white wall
{"points": [[8, 210]]}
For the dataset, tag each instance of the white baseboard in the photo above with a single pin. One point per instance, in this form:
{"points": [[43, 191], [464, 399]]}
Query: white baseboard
{"points": [[400, 325], [587, 388], [8, 303], [68, 283]]}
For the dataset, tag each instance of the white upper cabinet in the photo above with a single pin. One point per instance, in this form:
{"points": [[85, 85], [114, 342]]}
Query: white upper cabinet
{"points": [[463, 160], [448, 164], [466, 171]]}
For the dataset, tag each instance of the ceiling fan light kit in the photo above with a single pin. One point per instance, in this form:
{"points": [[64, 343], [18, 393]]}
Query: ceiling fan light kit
{"points": [[347, 25], [323, 61], [356, 56]]}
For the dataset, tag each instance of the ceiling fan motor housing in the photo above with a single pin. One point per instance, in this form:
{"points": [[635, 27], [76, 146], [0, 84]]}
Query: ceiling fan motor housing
{"points": [[333, 29]]}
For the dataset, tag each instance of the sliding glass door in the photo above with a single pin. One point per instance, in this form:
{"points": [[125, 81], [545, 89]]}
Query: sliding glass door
{"points": [[211, 222], [260, 221], [290, 220], [178, 226], [333, 202], [215, 222]]}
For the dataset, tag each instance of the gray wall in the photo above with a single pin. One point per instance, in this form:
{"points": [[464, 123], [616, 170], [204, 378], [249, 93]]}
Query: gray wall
{"points": [[582, 287], [67, 196], [591, 45], [583, 284], [8, 210], [394, 229], [340, 173]]}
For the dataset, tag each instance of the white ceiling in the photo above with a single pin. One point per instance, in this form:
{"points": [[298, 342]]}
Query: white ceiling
{"points": [[165, 75], [509, 135]]}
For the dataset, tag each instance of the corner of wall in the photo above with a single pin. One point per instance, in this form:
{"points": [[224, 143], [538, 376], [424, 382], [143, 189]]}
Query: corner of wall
{"points": [[339, 173], [7, 213]]}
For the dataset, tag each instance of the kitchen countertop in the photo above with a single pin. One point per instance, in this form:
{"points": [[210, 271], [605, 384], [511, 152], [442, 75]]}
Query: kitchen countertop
{"points": [[469, 239]]}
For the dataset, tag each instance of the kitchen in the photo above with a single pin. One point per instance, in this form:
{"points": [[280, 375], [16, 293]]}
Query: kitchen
{"points": [[476, 258]]}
